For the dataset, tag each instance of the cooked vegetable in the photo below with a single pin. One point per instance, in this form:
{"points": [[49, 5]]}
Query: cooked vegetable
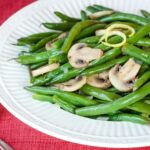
{"points": [[80, 55], [145, 13], [144, 78], [129, 118], [99, 93], [122, 78], [65, 26], [115, 105], [72, 85], [64, 104], [44, 69], [74, 32], [65, 17], [136, 52], [84, 15], [145, 30], [100, 14], [118, 16], [73, 98], [100, 80]]}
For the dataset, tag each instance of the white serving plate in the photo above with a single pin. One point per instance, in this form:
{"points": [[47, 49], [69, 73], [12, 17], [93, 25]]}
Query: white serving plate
{"points": [[46, 117]]}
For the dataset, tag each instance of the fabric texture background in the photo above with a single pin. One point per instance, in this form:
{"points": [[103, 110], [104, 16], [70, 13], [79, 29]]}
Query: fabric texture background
{"points": [[19, 135]]}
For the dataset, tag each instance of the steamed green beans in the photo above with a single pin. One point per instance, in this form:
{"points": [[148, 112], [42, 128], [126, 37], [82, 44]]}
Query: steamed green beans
{"points": [[93, 65], [125, 17], [136, 52], [65, 26], [99, 93], [129, 118], [69, 97], [115, 105], [65, 17], [74, 32]]}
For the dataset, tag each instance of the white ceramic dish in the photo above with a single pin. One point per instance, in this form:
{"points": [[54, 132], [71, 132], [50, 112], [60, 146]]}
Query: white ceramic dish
{"points": [[46, 117]]}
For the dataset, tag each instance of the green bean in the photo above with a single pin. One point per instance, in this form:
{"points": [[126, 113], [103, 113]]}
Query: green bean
{"points": [[140, 107], [58, 44], [103, 67], [115, 105], [144, 78], [67, 75], [42, 43], [129, 118], [143, 69], [64, 104], [65, 26], [101, 8], [91, 9], [42, 34], [118, 16], [113, 40], [114, 90], [136, 52], [62, 58], [107, 56], [145, 13], [76, 29], [34, 38], [84, 16], [72, 98], [43, 98], [28, 40], [92, 45], [31, 53], [38, 57], [46, 78], [90, 40], [99, 93], [106, 96], [90, 31], [37, 65], [65, 17], [145, 30], [143, 42]]}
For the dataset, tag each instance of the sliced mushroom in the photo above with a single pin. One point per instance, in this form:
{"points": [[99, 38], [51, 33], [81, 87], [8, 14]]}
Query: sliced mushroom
{"points": [[122, 78], [80, 55], [100, 80], [73, 84], [48, 45], [129, 70], [44, 69], [100, 14]]}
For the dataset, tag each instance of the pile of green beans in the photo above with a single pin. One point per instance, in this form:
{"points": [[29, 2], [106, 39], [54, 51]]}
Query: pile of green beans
{"points": [[53, 47]]}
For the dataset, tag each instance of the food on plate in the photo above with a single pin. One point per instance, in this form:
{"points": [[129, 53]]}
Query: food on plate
{"points": [[95, 66]]}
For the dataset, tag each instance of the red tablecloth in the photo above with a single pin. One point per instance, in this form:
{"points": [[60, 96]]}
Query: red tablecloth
{"points": [[19, 135]]}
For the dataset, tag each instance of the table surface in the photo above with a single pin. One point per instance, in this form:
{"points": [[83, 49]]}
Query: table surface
{"points": [[19, 135]]}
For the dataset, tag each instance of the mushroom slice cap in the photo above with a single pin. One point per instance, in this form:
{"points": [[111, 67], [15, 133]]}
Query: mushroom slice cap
{"points": [[72, 85], [129, 70], [100, 80], [80, 55], [117, 82], [44, 69]]}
